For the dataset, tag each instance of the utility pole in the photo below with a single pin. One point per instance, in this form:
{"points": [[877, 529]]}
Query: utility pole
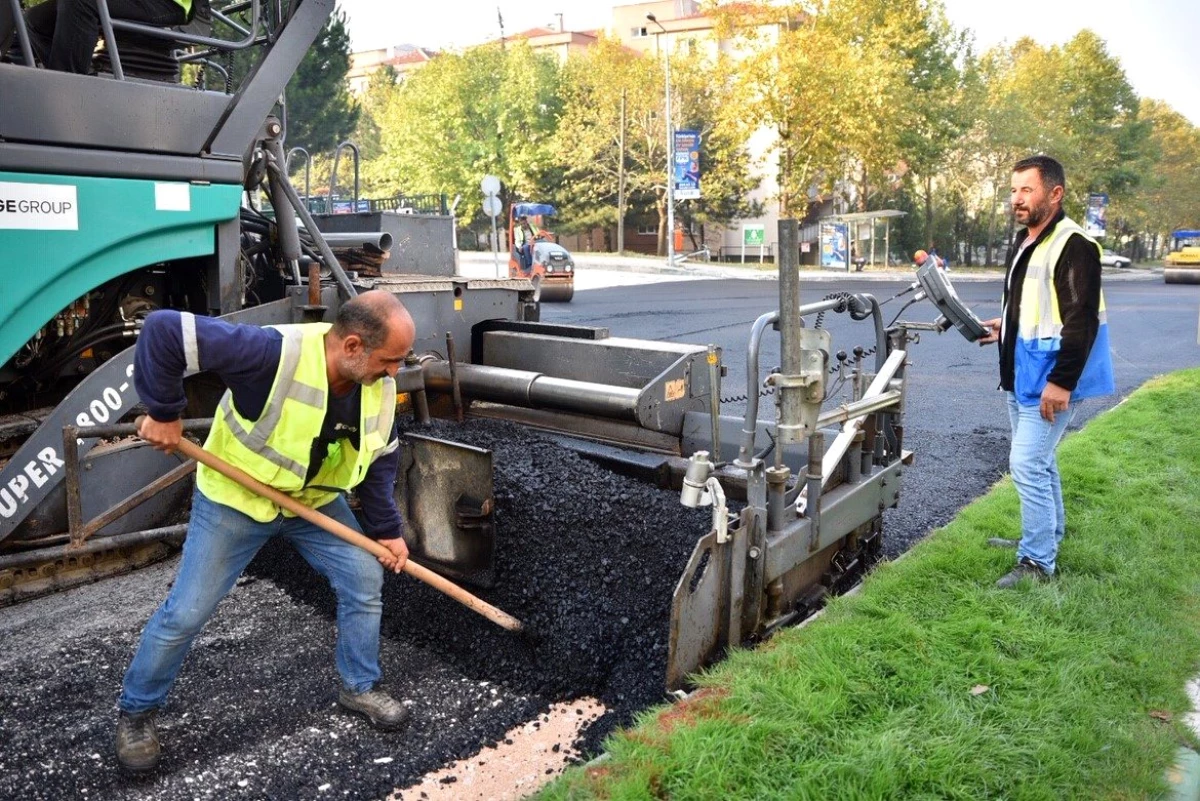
{"points": [[670, 126], [621, 182]]}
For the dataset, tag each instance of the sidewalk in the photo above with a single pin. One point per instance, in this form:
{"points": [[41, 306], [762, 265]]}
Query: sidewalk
{"points": [[754, 272]]}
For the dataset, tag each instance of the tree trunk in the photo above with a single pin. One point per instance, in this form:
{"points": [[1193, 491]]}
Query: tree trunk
{"points": [[929, 211], [991, 234], [661, 206], [863, 188]]}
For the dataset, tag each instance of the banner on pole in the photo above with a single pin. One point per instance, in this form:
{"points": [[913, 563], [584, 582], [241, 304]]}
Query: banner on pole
{"points": [[687, 165], [1095, 221]]}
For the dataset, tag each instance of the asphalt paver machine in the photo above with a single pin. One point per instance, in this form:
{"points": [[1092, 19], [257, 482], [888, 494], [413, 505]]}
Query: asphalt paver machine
{"points": [[120, 195]]}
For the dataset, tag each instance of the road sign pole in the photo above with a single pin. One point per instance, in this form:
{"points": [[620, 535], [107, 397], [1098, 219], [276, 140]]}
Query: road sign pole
{"points": [[490, 186], [495, 247]]}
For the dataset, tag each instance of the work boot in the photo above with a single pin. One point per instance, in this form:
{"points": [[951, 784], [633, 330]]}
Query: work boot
{"points": [[137, 742], [1001, 542], [1026, 568], [384, 711]]}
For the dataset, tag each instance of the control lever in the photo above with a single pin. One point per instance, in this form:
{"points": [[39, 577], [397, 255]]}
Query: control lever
{"points": [[936, 286]]}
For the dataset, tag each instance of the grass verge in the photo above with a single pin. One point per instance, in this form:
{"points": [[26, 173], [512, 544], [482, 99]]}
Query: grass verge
{"points": [[930, 683]]}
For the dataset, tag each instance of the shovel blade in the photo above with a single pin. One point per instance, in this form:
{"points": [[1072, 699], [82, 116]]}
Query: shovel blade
{"points": [[445, 496]]}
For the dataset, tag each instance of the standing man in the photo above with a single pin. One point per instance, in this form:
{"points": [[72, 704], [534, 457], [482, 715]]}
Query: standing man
{"points": [[310, 411], [525, 237], [1053, 335]]}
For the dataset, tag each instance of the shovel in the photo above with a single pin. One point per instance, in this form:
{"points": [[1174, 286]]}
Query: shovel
{"points": [[472, 602]]}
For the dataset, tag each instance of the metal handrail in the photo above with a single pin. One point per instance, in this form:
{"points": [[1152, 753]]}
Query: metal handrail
{"points": [[22, 31], [109, 26], [287, 167], [333, 173], [190, 38], [110, 40], [229, 21]]}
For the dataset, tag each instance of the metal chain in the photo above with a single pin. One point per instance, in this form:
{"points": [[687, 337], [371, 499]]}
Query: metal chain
{"points": [[739, 398]]}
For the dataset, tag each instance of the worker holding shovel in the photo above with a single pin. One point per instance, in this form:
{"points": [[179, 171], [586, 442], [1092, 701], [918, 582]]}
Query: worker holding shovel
{"points": [[310, 412]]}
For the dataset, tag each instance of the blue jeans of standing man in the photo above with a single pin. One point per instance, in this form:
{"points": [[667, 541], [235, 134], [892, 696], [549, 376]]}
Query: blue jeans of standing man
{"points": [[221, 541], [1034, 469]]}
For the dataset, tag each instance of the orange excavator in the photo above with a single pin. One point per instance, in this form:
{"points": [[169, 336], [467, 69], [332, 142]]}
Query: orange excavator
{"points": [[534, 252]]}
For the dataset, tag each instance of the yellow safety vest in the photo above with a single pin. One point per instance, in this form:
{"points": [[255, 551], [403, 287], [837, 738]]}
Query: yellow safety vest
{"points": [[1039, 327], [276, 447], [1040, 318]]}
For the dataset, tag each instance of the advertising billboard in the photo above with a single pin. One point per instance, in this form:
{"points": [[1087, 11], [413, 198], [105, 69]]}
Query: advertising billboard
{"points": [[687, 165]]}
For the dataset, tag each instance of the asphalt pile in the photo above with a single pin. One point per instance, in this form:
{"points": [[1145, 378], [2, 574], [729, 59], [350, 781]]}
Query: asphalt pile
{"points": [[586, 558]]}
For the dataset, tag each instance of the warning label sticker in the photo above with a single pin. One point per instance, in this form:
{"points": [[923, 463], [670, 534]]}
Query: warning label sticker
{"points": [[38, 207]]}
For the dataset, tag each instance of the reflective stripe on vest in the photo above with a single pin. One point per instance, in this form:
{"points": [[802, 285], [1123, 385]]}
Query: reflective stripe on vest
{"points": [[276, 448], [1040, 317]]}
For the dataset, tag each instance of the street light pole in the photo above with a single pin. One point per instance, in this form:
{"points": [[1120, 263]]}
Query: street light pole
{"points": [[670, 147]]}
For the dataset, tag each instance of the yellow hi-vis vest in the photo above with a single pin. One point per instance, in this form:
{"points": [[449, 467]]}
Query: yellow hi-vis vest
{"points": [[276, 447], [1039, 328]]}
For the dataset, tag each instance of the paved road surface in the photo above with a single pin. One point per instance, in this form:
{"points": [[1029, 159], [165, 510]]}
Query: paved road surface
{"points": [[956, 421]]}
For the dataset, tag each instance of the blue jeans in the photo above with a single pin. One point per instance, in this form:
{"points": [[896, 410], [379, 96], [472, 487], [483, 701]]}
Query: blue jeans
{"points": [[221, 541], [1034, 469]]}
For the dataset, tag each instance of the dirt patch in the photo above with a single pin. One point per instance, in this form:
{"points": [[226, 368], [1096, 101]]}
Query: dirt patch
{"points": [[529, 756], [704, 703]]}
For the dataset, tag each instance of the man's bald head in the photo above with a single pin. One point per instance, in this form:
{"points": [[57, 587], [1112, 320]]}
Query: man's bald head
{"points": [[372, 317], [370, 338]]}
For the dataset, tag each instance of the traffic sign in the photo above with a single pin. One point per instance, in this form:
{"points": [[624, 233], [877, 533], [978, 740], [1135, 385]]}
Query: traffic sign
{"points": [[491, 206], [490, 185]]}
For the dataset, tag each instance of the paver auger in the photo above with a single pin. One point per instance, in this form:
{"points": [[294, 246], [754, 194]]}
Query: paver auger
{"points": [[131, 195]]}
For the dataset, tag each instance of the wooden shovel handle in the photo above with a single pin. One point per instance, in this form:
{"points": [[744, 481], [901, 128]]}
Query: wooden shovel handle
{"points": [[476, 604]]}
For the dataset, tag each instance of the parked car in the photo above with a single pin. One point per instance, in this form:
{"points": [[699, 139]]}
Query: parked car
{"points": [[1110, 259]]}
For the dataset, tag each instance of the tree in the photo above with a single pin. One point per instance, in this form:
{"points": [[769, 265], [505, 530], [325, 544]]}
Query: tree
{"points": [[321, 112], [1169, 199], [703, 88], [492, 109], [588, 143], [804, 90], [589, 139], [832, 84], [1071, 102], [936, 100]]}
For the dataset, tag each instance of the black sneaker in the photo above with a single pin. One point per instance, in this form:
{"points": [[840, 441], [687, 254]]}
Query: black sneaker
{"points": [[1026, 568], [137, 742], [380, 708], [1001, 542]]}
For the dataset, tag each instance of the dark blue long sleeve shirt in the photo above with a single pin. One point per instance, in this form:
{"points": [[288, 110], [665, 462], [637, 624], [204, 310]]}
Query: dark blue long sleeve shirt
{"points": [[246, 358]]}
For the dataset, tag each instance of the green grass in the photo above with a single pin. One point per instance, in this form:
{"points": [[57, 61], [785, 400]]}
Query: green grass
{"points": [[874, 700]]}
